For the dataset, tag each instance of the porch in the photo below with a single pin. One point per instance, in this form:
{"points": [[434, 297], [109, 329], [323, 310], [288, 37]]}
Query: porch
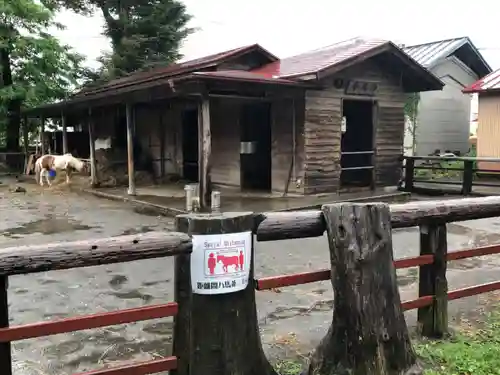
{"points": [[233, 132], [170, 200]]}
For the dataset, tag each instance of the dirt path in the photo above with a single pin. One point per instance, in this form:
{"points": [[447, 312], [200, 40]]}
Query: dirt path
{"points": [[292, 320]]}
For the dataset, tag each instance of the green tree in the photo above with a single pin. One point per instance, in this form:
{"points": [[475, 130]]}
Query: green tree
{"points": [[143, 33], [35, 68], [411, 116]]}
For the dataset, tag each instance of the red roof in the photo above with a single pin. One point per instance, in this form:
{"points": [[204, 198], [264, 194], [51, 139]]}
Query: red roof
{"points": [[320, 59], [177, 69], [489, 83]]}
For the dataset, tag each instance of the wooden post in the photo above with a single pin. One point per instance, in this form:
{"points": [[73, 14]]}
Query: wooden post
{"points": [[409, 172], [5, 349], [94, 181], [368, 334], [26, 142], [216, 334], [204, 154], [130, 149], [161, 135], [468, 177], [64, 133], [433, 319], [42, 136]]}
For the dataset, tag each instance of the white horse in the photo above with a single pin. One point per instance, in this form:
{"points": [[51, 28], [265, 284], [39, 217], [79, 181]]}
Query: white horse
{"points": [[66, 162]]}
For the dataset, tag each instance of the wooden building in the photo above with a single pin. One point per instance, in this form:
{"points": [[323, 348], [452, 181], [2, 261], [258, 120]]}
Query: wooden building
{"points": [[488, 127], [315, 123]]}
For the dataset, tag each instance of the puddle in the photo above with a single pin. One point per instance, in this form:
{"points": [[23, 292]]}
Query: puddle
{"points": [[139, 230], [47, 226]]}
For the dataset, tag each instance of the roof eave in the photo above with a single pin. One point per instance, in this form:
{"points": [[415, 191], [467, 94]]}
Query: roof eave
{"points": [[295, 84]]}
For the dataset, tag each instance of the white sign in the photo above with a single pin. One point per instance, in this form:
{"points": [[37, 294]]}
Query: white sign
{"points": [[220, 263], [343, 126]]}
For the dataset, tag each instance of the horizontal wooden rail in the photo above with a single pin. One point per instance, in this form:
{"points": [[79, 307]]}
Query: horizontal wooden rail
{"points": [[274, 226], [456, 158], [471, 253], [271, 282], [142, 368], [473, 290], [64, 255], [417, 303], [80, 323]]}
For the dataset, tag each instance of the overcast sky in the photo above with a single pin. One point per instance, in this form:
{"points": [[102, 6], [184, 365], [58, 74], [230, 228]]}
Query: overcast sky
{"points": [[288, 27]]}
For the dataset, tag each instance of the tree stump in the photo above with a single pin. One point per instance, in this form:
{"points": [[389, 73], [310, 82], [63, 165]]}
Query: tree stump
{"points": [[368, 335], [217, 334]]}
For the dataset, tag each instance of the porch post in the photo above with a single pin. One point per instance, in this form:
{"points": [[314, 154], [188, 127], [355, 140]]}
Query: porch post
{"points": [[93, 164], [64, 133], [42, 137], [130, 150], [26, 143], [204, 153]]}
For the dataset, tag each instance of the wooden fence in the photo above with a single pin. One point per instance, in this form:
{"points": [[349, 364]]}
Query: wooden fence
{"points": [[451, 175], [219, 335]]}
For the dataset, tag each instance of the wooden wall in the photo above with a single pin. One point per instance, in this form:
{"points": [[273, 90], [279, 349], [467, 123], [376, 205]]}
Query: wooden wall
{"points": [[163, 120], [225, 130], [282, 136], [322, 129], [488, 130]]}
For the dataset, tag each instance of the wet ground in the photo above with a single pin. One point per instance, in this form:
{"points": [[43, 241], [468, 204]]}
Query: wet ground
{"points": [[292, 319]]}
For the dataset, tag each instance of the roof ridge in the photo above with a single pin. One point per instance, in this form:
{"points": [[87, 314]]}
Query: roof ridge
{"points": [[437, 41]]}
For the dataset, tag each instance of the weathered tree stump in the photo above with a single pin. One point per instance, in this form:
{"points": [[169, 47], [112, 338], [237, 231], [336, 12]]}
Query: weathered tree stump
{"points": [[368, 335], [216, 334]]}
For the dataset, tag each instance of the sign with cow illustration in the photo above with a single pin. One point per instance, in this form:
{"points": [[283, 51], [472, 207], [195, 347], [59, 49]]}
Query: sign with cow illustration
{"points": [[220, 263]]}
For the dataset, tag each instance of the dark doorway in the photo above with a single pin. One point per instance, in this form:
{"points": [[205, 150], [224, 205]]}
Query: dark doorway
{"points": [[190, 145], [357, 144], [255, 147]]}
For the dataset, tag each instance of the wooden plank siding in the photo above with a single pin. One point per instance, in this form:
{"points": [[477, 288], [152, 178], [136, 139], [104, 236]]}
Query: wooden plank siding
{"points": [[322, 129], [225, 126], [488, 130], [282, 137]]}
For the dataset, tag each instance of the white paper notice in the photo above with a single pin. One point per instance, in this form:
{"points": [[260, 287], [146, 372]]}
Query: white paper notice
{"points": [[220, 263]]}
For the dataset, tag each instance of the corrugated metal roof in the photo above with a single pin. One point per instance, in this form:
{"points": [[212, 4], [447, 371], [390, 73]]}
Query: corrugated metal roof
{"points": [[176, 69], [317, 60], [489, 83], [428, 54]]}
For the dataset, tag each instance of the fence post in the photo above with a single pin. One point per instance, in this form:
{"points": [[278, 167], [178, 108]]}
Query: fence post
{"points": [[5, 348], [433, 319], [217, 334], [468, 177], [409, 172], [368, 334]]}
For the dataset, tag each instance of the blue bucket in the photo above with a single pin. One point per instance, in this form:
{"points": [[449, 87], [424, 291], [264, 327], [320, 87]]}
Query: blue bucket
{"points": [[52, 173]]}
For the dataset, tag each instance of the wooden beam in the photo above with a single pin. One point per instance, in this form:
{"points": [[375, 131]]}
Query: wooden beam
{"points": [[273, 226], [26, 142], [130, 150], [42, 137], [90, 252], [204, 153], [161, 135], [93, 163], [64, 133]]}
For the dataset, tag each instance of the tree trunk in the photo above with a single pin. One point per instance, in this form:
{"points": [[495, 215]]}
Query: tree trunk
{"points": [[368, 335], [217, 334], [13, 106]]}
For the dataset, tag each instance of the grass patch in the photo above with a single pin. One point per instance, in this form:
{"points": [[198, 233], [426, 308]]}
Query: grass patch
{"points": [[473, 351], [289, 367]]}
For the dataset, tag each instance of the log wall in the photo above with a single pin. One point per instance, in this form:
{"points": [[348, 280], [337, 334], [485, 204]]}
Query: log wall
{"points": [[322, 129]]}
